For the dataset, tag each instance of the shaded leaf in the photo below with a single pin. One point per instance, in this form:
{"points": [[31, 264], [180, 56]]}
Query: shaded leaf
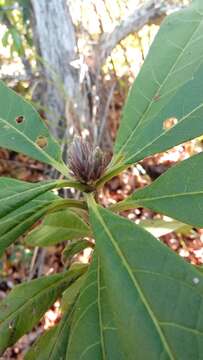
{"points": [[71, 293], [41, 348], [76, 247], [57, 227], [169, 85], [24, 136], [93, 334], [177, 193], [23, 203], [26, 303], [161, 298]]}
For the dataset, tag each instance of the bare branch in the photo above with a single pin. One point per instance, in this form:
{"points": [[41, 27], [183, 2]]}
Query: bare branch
{"points": [[133, 23]]}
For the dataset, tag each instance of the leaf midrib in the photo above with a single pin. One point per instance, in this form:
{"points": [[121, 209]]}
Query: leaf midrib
{"points": [[192, 193], [33, 189], [40, 292], [57, 164], [136, 284], [164, 132], [102, 342], [158, 91]]}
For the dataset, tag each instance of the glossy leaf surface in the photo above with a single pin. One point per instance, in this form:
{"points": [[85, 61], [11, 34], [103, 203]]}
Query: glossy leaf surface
{"points": [[165, 105], [177, 193], [156, 296], [22, 130]]}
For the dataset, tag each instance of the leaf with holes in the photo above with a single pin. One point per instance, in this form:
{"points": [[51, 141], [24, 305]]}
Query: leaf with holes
{"points": [[177, 193], [27, 299], [164, 107], [57, 227], [160, 303], [93, 322], [22, 130]]}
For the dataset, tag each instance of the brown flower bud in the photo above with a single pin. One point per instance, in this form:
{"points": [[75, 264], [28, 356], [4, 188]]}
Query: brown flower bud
{"points": [[86, 163]]}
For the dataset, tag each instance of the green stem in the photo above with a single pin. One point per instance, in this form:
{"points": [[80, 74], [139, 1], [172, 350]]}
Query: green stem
{"points": [[73, 183], [124, 205], [67, 203]]}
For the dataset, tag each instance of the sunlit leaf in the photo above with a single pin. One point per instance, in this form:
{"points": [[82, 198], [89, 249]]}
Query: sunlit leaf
{"points": [[22, 130], [159, 227], [165, 105]]}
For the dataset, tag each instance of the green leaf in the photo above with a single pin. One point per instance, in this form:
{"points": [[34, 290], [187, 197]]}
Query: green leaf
{"points": [[75, 247], [26, 303], [168, 85], [15, 193], [22, 130], [17, 41], [40, 350], [53, 343], [22, 204], [159, 227], [177, 193], [57, 227], [155, 295], [93, 333], [71, 293]]}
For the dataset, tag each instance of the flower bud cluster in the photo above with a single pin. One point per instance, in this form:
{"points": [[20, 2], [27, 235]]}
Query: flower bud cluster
{"points": [[86, 163]]}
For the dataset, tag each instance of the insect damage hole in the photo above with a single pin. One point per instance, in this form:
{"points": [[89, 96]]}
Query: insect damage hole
{"points": [[20, 119], [169, 123], [41, 141]]}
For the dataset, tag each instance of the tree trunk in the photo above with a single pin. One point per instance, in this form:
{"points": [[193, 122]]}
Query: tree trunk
{"points": [[56, 43]]}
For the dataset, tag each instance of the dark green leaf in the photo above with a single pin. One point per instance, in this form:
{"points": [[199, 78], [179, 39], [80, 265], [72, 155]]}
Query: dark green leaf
{"points": [[22, 204], [22, 130], [169, 85], [71, 293], [93, 333], [177, 193], [59, 226], [15, 193], [53, 344], [156, 296], [26, 303]]}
